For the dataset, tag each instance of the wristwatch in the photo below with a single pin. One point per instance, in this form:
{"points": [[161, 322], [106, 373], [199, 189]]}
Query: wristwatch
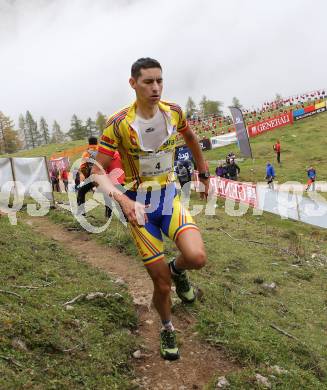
{"points": [[204, 175]]}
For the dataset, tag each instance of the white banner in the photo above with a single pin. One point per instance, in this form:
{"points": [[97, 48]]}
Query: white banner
{"points": [[223, 140], [5, 171], [31, 171]]}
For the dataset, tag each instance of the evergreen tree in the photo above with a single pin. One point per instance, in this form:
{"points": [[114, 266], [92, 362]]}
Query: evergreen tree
{"points": [[44, 130], [100, 122], [190, 107], [236, 103], [9, 139], [22, 131], [77, 130], [33, 136], [57, 135], [278, 97], [90, 128], [210, 107]]}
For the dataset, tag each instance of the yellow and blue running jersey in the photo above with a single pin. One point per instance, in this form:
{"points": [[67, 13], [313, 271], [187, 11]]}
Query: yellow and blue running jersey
{"points": [[143, 166]]}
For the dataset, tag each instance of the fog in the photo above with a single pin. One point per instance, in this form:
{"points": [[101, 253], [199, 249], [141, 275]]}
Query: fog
{"points": [[60, 58]]}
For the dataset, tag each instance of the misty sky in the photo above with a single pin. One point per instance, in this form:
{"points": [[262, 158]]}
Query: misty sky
{"points": [[60, 57]]}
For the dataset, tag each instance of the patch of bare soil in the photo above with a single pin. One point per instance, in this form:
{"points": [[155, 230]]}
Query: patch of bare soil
{"points": [[199, 361]]}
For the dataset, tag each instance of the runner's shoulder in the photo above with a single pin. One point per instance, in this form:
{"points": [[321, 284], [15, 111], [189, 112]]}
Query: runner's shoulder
{"points": [[117, 116], [173, 106]]}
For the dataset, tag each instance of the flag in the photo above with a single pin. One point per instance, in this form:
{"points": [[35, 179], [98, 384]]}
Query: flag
{"points": [[241, 132]]}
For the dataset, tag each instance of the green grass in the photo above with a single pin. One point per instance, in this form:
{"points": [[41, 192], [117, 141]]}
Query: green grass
{"points": [[97, 332], [48, 150], [239, 312]]}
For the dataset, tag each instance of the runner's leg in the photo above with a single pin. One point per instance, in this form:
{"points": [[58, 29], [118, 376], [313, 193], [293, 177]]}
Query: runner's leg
{"points": [[193, 255], [160, 275]]}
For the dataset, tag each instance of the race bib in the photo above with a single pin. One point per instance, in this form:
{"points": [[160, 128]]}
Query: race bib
{"points": [[156, 164]]}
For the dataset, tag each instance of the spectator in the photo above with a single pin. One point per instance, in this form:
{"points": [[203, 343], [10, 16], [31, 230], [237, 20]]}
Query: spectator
{"points": [[311, 173], [77, 179], [88, 158], [270, 175], [117, 176], [54, 176], [64, 178], [184, 174], [233, 170], [220, 170], [276, 148]]}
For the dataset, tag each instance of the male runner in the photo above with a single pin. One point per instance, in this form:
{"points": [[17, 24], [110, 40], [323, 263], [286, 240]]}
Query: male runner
{"points": [[145, 136]]}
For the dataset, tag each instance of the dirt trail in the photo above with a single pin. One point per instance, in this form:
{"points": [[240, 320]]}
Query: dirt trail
{"points": [[199, 361]]}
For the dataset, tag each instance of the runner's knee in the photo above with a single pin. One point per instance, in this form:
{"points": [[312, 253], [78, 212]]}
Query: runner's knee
{"points": [[162, 286], [197, 258]]}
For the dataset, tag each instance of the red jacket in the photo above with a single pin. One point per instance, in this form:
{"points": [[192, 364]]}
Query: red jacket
{"points": [[277, 147], [115, 170]]}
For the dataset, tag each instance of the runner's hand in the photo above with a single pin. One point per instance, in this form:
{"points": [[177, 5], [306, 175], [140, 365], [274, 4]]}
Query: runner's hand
{"points": [[134, 211], [205, 182]]}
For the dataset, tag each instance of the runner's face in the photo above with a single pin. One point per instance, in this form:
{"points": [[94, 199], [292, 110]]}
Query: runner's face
{"points": [[148, 86]]}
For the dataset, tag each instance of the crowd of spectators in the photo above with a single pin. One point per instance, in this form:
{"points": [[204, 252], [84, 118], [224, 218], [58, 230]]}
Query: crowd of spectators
{"points": [[214, 125]]}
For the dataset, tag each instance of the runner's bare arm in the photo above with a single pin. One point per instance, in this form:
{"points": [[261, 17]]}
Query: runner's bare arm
{"points": [[134, 211], [192, 142]]}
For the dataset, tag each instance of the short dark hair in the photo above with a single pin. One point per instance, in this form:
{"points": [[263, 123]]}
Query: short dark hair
{"points": [[93, 141], [143, 63]]}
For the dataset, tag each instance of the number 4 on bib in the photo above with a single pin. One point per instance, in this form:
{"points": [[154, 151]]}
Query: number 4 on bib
{"points": [[158, 165]]}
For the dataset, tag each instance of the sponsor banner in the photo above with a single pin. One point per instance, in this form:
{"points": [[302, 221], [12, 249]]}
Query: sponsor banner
{"points": [[308, 114], [223, 140], [205, 144], [320, 105], [309, 108], [230, 189], [183, 153], [298, 112], [270, 124], [241, 132]]}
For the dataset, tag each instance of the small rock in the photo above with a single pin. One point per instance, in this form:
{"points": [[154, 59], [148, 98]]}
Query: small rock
{"points": [[222, 383], [140, 301], [271, 286], [137, 354], [69, 307], [279, 370], [262, 380], [120, 282], [149, 322], [94, 295], [19, 344], [314, 255]]}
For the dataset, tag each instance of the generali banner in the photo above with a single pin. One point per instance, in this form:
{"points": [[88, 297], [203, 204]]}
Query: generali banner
{"points": [[270, 124], [230, 189]]}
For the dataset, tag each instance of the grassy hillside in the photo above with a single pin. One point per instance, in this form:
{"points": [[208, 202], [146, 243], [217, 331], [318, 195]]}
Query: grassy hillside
{"points": [[44, 346], [302, 144], [48, 150]]}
